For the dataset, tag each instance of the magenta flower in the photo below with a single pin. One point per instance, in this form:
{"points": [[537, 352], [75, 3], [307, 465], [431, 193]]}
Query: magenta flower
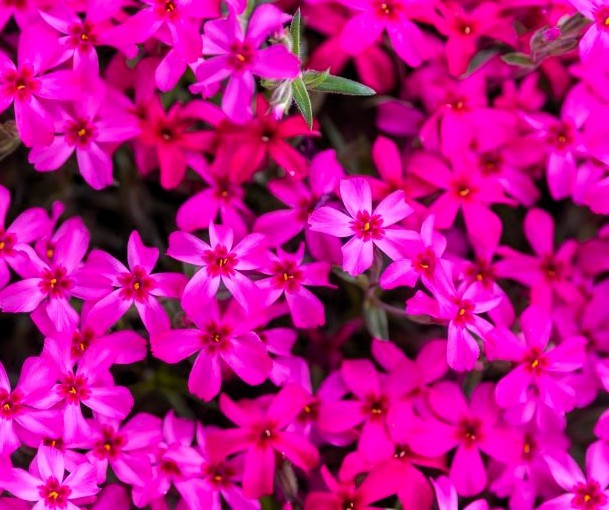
{"points": [[379, 484], [586, 491], [595, 41], [374, 397], [45, 483], [224, 198], [16, 415], [282, 225], [539, 371], [465, 188], [368, 227], [177, 21], [169, 142], [460, 307], [52, 284], [218, 478], [549, 272], [122, 347], [126, 449], [217, 338], [464, 30], [447, 498], [25, 84], [392, 16], [134, 286], [175, 461], [470, 428], [262, 434], [239, 58], [288, 276], [80, 37], [219, 262], [422, 259], [92, 132], [29, 226], [90, 384]]}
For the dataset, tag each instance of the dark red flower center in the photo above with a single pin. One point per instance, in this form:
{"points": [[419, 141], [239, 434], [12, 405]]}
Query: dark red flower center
{"points": [[74, 388], [216, 336], [136, 285], [109, 445], [469, 431], [20, 83], [55, 282], [286, 275], [535, 361], [601, 16], [54, 494], [10, 403], [219, 475], [388, 9], [425, 261], [82, 35], [219, 261], [80, 133], [551, 268], [7, 243], [367, 226], [464, 313], [561, 136], [241, 55], [588, 496], [81, 340]]}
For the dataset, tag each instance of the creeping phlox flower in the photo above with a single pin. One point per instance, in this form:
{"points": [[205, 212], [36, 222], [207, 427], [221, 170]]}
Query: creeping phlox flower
{"points": [[240, 295]]}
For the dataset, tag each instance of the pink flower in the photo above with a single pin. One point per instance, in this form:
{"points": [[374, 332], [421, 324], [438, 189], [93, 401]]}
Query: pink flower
{"points": [[393, 16], [29, 226], [374, 397], [379, 484], [586, 491], [368, 227], [548, 272], [217, 338], [239, 58], [288, 277], [373, 64], [460, 307], [219, 262], [218, 478], [92, 132], [134, 286], [168, 141], [471, 428], [52, 284], [539, 372], [422, 259], [261, 433], [25, 84], [281, 225], [45, 483], [464, 30], [446, 496], [89, 384], [16, 414], [177, 21], [125, 449], [595, 41]]}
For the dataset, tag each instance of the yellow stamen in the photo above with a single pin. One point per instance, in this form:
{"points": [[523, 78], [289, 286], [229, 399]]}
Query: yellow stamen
{"points": [[467, 30], [72, 391], [606, 22], [53, 282], [84, 37], [53, 495], [464, 192], [222, 262], [217, 478], [240, 57], [2, 245], [366, 226], [50, 253], [6, 407], [385, 8], [136, 285], [535, 363], [107, 447], [81, 132], [479, 277], [21, 86]]}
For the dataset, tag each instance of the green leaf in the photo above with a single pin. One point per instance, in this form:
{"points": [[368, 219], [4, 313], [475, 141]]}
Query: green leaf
{"points": [[295, 31], [338, 85], [302, 100], [376, 320], [573, 25], [517, 59], [314, 78]]}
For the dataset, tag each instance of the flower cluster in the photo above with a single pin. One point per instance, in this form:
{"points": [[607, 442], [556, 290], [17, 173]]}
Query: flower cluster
{"points": [[399, 302]]}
